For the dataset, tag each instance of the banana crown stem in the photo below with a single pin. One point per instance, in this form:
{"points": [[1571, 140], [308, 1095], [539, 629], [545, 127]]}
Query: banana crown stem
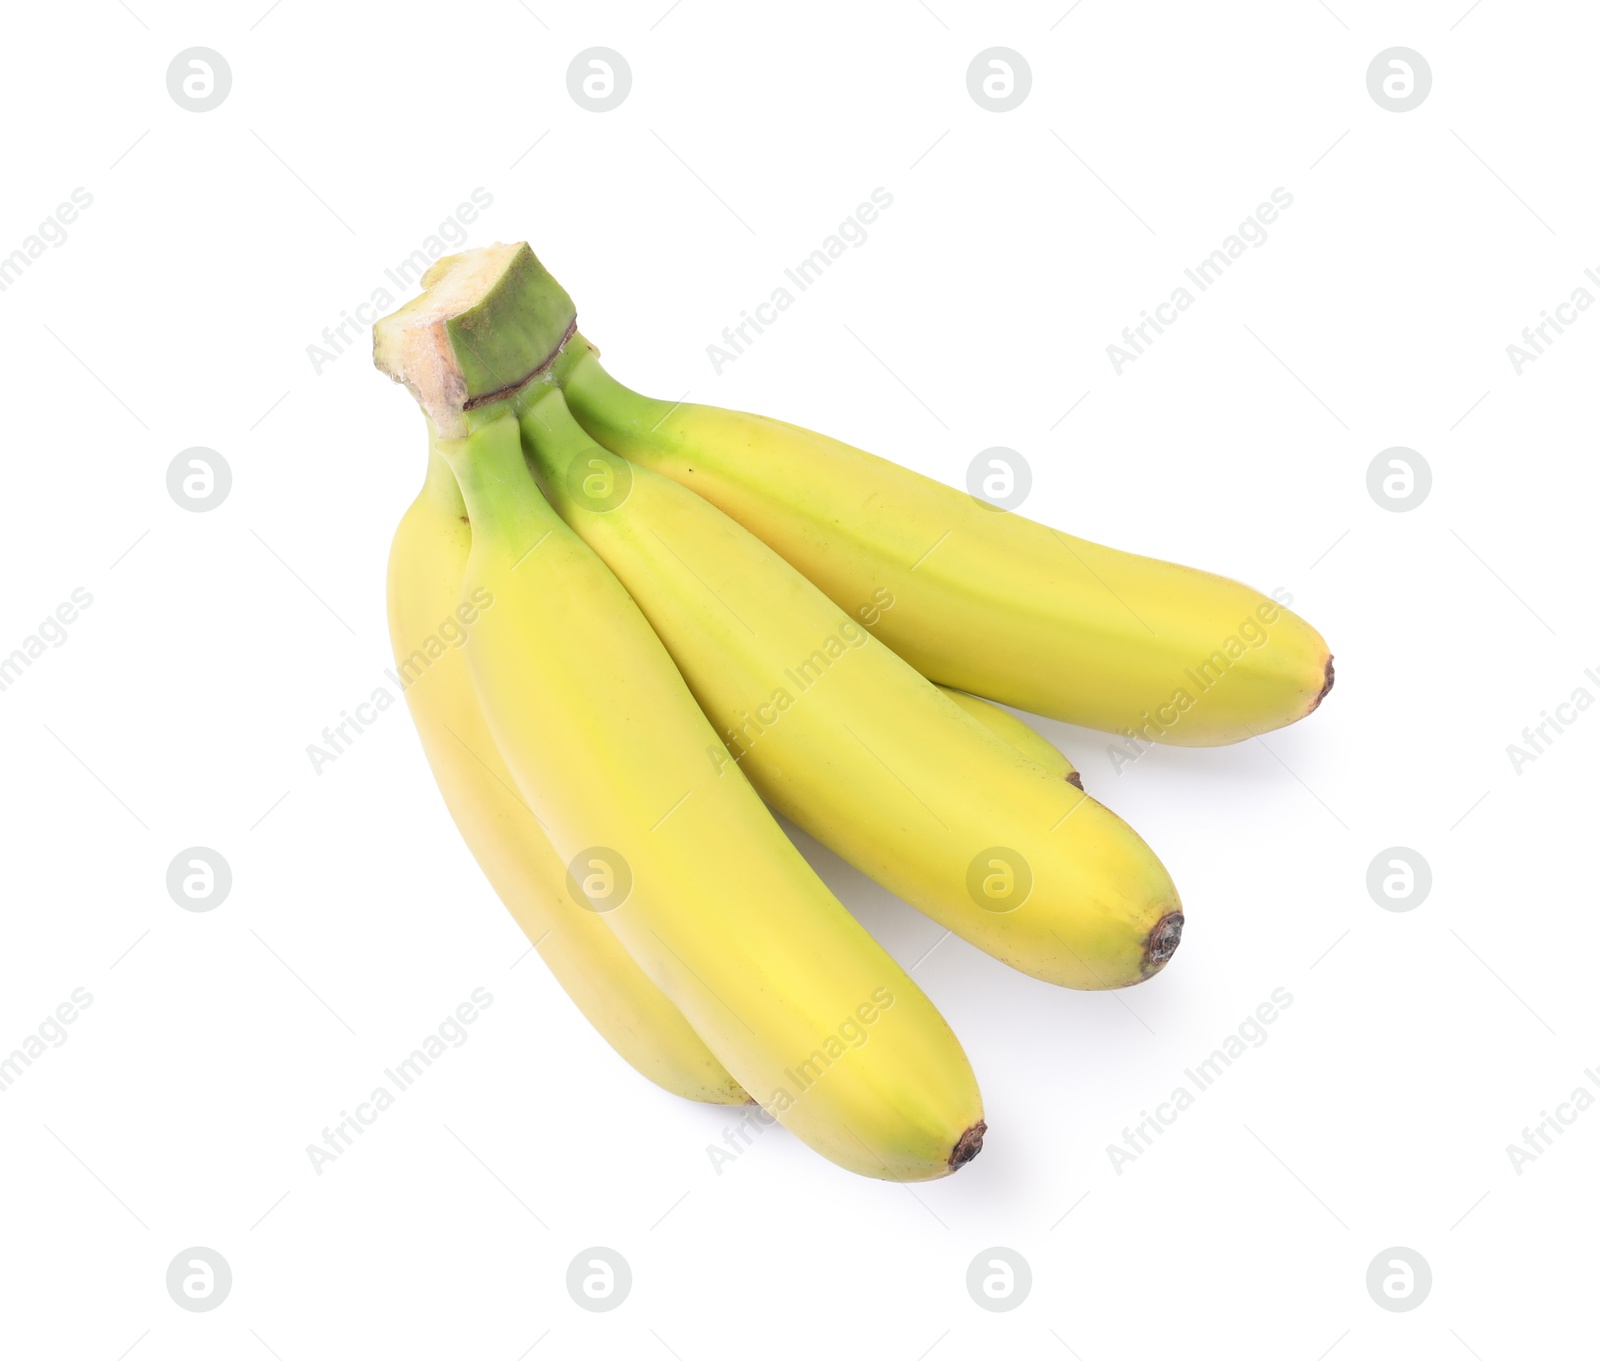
{"points": [[486, 320]]}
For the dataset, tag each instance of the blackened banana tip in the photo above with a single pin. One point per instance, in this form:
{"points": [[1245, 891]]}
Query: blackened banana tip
{"points": [[1327, 685], [1162, 942], [968, 1146]]}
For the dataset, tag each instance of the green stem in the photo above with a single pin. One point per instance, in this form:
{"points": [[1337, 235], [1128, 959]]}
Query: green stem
{"points": [[551, 437], [439, 485], [501, 498], [617, 416], [575, 473]]}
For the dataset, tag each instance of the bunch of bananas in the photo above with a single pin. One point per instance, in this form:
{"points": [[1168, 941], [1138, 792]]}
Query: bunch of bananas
{"points": [[627, 628]]}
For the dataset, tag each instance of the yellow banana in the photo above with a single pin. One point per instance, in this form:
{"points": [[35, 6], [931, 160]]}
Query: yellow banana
{"points": [[428, 623], [1009, 728], [608, 747], [844, 738], [985, 601]]}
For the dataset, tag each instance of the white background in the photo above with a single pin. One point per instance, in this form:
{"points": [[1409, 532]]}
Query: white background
{"points": [[178, 711]]}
